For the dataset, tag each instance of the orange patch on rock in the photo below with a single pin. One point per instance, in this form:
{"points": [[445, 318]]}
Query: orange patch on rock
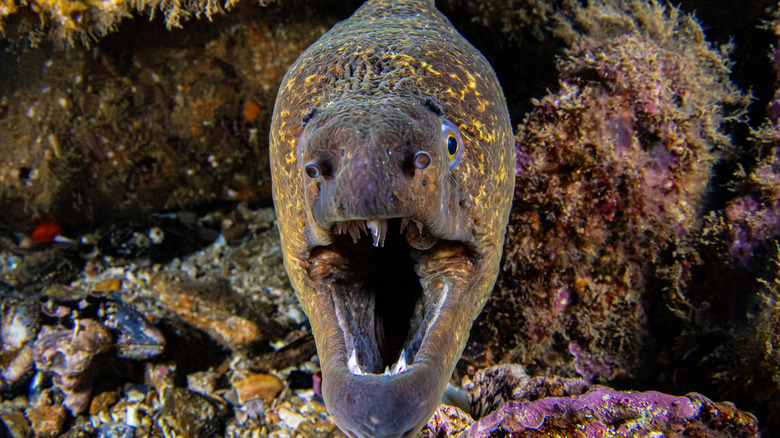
{"points": [[251, 111]]}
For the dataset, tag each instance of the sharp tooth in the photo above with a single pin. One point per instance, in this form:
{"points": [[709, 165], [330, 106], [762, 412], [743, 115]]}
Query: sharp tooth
{"points": [[339, 227], [400, 366], [419, 226], [404, 223], [354, 231], [382, 231], [387, 371], [362, 225], [378, 229], [352, 364], [372, 225]]}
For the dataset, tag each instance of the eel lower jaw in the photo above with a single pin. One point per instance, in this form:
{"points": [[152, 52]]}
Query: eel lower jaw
{"points": [[390, 324]]}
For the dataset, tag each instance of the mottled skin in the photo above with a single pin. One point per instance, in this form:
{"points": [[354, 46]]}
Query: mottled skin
{"points": [[382, 82]]}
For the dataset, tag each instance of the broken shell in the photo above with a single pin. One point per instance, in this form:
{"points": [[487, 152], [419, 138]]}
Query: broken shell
{"points": [[19, 325], [70, 351], [21, 365], [262, 386], [20, 320]]}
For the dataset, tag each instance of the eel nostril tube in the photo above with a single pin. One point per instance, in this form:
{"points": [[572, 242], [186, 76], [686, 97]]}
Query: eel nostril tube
{"points": [[422, 159], [312, 170]]}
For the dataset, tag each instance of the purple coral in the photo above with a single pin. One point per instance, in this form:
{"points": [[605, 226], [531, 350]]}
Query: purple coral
{"points": [[559, 407], [608, 409]]}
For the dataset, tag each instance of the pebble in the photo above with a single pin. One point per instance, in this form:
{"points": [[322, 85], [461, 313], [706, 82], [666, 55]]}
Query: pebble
{"points": [[189, 414], [47, 421], [292, 419], [102, 402], [15, 424], [202, 382], [108, 285]]}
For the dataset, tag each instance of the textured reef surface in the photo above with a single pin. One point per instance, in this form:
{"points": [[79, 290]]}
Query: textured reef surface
{"points": [[142, 291]]}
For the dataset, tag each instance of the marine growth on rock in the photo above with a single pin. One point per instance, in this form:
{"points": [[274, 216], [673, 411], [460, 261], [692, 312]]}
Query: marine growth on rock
{"points": [[612, 172]]}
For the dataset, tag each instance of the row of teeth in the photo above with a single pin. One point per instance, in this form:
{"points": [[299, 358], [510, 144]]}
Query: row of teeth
{"points": [[399, 367], [378, 228]]}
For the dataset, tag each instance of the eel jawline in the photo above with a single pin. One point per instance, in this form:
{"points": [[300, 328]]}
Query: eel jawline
{"points": [[384, 371]]}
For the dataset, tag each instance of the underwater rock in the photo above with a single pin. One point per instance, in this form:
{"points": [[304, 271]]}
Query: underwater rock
{"points": [[726, 336], [13, 423], [228, 317], [77, 21], [143, 122], [58, 265], [562, 407], [516, 19], [492, 387], [70, 353], [612, 172], [447, 421], [751, 221], [47, 421]]}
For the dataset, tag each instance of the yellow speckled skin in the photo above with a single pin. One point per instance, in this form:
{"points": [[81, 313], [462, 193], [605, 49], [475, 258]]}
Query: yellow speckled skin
{"points": [[399, 53]]}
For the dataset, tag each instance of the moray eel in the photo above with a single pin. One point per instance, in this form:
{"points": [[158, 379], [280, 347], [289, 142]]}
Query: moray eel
{"points": [[392, 162]]}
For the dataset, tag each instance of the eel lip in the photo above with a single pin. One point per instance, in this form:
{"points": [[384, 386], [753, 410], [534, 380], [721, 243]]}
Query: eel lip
{"points": [[390, 325]]}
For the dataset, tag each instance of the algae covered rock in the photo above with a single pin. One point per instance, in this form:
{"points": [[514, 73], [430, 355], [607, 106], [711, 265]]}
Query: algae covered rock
{"points": [[78, 21], [612, 173], [727, 336], [143, 123]]}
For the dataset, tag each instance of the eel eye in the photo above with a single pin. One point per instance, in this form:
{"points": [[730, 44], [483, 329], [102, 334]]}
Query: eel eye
{"points": [[453, 142]]}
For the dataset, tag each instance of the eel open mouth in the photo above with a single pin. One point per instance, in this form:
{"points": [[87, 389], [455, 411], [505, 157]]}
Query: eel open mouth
{"points": [[388, 279]]}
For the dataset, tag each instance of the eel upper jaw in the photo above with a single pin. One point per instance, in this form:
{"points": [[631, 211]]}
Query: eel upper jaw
{"points": [[390, 323]]}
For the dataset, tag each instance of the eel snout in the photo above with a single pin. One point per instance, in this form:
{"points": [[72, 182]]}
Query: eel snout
{"points": [[374, 406]]}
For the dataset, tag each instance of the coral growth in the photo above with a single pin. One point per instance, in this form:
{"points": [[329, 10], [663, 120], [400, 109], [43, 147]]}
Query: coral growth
{"points": [[611, 177], [753, 219], [561, 407]]}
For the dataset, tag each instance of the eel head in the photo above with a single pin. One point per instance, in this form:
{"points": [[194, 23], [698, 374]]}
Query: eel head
{"points": [[396, 258]]}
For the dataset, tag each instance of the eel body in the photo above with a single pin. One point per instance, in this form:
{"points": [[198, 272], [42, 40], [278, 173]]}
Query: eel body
{"points": [[393, 171]]}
